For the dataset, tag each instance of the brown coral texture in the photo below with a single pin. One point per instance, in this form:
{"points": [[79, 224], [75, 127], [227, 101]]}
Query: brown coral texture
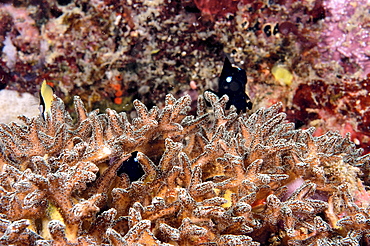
{"points": [[214, 178]]}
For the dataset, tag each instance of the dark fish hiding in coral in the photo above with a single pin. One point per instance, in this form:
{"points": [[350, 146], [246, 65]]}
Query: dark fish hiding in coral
{"points": [[132, 168], [232, 83]]}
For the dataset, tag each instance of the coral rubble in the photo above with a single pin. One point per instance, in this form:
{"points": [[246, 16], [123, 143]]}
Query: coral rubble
{"points": [[216, 178]]}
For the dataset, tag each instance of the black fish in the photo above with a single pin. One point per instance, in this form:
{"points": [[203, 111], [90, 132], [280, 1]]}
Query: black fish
{"points": [[232, 83], [132, 168]]}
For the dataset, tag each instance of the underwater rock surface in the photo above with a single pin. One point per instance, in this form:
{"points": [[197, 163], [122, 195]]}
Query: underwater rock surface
{"points": [[13, 103]]}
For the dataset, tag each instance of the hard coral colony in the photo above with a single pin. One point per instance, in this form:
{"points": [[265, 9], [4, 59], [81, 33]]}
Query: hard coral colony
{"points": [[217, 178]]}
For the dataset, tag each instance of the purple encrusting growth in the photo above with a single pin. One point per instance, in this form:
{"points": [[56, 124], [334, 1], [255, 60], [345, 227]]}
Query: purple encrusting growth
{"points": [[346, 38]]}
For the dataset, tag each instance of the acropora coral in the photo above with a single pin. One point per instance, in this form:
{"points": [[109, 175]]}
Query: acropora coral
{"points": [[214, 178]]}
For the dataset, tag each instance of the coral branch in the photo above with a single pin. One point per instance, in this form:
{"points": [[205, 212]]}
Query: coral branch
{"points": [[209, 179]]}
